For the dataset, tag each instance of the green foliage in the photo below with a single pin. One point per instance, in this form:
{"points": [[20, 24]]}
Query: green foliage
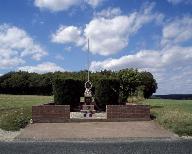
{"points": [[129, 81], [149, 84], [107, 92], [134, 83], [41, 84], [25, 83], [67, 92], [15, 120], [137, 96]]}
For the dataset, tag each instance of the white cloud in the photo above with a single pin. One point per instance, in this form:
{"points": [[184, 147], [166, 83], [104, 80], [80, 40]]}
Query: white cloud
{"points": [[15, 44], [109, 12], [108, 31], [111, 35], [180, 1], [9, 61], [42, 68], [147, 59], [70, 34], [56, 5], [94, 3], [63, 5], [177, 31], [168, 66]]}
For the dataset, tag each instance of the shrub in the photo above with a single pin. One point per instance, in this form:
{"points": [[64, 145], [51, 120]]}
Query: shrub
{"points": [[107, 92], [68, 92], [13, 121]]}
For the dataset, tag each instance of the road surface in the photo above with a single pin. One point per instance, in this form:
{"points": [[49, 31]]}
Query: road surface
{"points": [[179, 146]]}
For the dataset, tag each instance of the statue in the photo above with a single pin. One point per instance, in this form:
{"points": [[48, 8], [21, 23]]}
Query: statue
{"points": [[88, 93]]}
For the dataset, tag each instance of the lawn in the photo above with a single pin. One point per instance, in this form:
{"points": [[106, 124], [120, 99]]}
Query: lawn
{"points": [[15, 110], [175, 115]]}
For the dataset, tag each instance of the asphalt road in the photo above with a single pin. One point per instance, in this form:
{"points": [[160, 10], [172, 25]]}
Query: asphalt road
{"points": [[98, 147]]}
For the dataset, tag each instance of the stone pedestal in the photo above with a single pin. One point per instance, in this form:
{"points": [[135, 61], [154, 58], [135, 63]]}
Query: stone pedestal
{"points": [[88, 100], [88, 110], [87, 107]]}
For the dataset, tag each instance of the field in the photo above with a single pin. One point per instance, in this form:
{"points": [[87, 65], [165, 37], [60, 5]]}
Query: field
{"points": [[15, 110], [175, 115]]}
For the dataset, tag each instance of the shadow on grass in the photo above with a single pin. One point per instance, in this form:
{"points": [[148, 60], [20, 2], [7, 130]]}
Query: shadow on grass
{"points": [[153, 117], [156, 107], [8, 109]]}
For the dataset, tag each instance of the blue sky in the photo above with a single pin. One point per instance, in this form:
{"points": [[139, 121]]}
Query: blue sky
{"points": [[51, 35]]}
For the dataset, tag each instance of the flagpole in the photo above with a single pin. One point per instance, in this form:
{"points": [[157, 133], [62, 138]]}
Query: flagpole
{"points": [[88, 59]]}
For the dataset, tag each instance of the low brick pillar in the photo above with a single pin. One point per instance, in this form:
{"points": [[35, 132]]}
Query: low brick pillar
{"points": [[128, 112], [50, 113]]}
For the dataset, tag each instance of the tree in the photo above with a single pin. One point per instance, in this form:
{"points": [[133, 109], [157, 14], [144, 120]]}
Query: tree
{"points": [[129, 81], [149, 83]]}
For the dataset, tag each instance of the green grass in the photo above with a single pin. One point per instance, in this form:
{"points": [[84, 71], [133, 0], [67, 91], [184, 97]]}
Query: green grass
{"points": [[15, 110], [175, 115]]}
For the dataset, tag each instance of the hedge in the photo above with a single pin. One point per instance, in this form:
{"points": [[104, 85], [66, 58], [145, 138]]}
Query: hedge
{"points": [[107, 92], [24, 83], [68, 92]]}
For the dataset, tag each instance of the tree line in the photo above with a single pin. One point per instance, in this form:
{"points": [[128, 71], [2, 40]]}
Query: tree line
{"points": [[174, 96], [132, 82]]}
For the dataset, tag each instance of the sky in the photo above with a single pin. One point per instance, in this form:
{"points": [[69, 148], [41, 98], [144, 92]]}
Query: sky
{"points": [[51, 35]]}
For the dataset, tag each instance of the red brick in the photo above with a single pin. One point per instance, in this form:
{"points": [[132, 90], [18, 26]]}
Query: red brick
{"points": [[51, 113], [128, 111]]}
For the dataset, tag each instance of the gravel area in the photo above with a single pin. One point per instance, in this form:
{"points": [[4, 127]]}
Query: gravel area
{"points": [[79, 115], [186, 137], [8, 135]]}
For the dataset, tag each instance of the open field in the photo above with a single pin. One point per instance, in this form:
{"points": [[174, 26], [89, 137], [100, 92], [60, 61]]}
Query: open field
{"points": [[15, 110], [175, 115]]}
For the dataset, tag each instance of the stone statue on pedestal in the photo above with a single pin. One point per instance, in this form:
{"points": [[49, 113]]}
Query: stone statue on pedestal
{"points": [[88, 107]]}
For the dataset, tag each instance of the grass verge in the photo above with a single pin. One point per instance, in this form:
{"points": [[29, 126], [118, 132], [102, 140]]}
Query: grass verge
{"points": [[175, 115], [15, 110]]}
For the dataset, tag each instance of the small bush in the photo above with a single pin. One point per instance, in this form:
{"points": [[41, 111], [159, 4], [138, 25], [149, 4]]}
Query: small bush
{"points": [[68, 92], [107, 92], [13, 121]]}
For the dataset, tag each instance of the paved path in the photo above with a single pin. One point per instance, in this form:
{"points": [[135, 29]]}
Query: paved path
{"points": [[113, 147], [95, 130]]}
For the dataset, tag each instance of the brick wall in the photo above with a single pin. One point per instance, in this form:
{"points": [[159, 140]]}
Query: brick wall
{"points": [[51, 113], [128, 112]]}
